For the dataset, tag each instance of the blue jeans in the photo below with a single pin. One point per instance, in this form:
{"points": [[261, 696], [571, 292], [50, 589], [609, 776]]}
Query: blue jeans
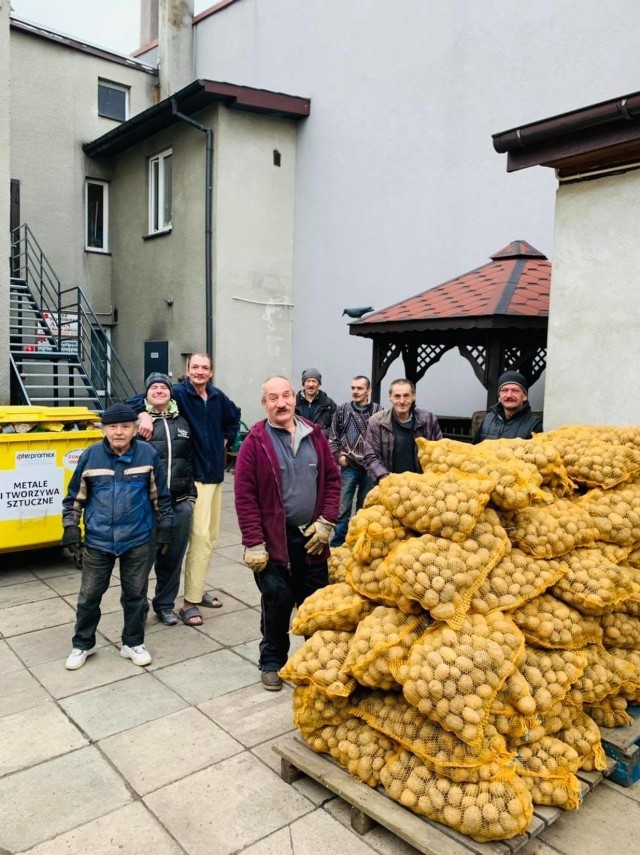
{"points": [[282, 588], [96, 575], [169, 564], [352, 480]]}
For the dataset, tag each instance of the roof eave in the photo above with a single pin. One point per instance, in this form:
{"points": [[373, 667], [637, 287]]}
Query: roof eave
{"points": [[489, 322]]}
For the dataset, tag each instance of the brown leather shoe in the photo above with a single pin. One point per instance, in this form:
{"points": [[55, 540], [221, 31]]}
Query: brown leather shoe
{"points": [[271, 681]]}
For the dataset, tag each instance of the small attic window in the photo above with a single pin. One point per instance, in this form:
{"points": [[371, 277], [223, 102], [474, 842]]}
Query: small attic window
{"points": [[113, 101]]}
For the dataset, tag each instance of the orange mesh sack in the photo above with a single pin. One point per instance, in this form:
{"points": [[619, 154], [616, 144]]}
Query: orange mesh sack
{"points": [[592, 583], [438, 749], [373, 533], [583, 734], [603, 676], [361, 750], [444, 504], [452, 676], [615, 512], [609, 712], [443, 576], [538, 452], [551, 673], [490, 810], [548, 622], [313, 709], [335, 606], [551, 531], [339, 563], [596, 457], [516, 578], [620, 630], [371, 581], [517, 483], [319, 661], [548, 768], [630, 688], [382, 638]]}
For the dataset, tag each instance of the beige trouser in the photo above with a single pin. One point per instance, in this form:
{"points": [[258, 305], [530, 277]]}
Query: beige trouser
{"points": [[205, 528]]}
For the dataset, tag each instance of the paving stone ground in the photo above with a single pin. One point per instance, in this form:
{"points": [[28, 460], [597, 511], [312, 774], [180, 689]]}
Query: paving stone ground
{"points": [[177, 757]]}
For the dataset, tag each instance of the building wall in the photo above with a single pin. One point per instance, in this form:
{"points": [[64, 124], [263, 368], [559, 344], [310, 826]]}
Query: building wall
{"points": [[398, 188], [5, 174], [593, 342]]}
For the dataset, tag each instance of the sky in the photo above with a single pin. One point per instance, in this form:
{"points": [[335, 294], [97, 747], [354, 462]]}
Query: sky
{"points": [[117, 30]]}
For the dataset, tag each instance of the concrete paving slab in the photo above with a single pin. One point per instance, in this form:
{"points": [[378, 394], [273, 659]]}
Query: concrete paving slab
{"points": [[197, 680], [306, 834], [251, 804], [53, 797], [234, 627], [178, 643], [379, 839], [25, 618], [229, 538], [24, 592], [606, 822], [234, 552], [252, 715], [237, 579], [230, 603], [250, 650], [20, 691], [55, 566], [307, 787], [132, 830], [279, 843], [168, 749], [34, 735], [128, 703], [9, 662], [105, 666], [632, 792], [14, 575], [46, 645], [70, 583], [110, 601]]}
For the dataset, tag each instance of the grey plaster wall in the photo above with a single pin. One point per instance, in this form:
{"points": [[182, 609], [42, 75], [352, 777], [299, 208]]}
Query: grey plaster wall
{"points": [[5, 174]]}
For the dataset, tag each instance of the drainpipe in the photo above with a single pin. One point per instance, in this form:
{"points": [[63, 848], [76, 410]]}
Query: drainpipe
{"points": [[208, 217]]}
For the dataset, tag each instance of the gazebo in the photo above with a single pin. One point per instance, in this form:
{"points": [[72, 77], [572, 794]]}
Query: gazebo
{"points": [[496, 315]]}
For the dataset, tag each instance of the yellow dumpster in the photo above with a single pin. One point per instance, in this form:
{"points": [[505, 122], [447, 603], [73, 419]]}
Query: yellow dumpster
{"points": [[39, 449]]}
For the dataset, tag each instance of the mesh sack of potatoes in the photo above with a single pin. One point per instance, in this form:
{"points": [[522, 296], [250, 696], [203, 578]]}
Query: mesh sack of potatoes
{"points": [[382, 638], [445, 504], [360, 749], [542, 454], [594, 457], [372, 581], [440, 750], [582, 733], [548, 768], [517, 483], [603, 676], [335, 606], [489, 810], [609, 712], [548, 622], [516, 578], [513, 708], [615, 512], [630, 689], [551, 531], [551, 673], [312, 709], [318, 663], [593, 584], [443, 576], [340, 561], [373, 533], [452, 676], [620, 630]]}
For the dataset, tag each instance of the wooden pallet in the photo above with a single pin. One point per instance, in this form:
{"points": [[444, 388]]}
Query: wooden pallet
{"points": [[372, 807], [622, 745]]}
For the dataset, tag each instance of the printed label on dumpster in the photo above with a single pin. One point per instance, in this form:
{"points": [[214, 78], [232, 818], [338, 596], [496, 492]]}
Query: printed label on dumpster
{"points": [[35, 458], [33, 488], [70, 459]]}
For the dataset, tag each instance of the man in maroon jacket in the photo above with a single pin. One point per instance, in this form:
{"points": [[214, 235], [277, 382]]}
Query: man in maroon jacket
{"points": [[287, 494]]}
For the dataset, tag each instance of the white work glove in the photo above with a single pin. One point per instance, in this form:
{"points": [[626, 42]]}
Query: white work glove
{"points": [[319, 533], [256, 557]]}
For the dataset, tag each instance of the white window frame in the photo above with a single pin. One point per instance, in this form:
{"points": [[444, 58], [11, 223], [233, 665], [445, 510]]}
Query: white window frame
{"points": [[109, 84], [105, 215], [157, 192]]}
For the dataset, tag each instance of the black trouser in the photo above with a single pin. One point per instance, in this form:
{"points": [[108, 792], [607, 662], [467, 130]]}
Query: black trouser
{"points": [[282, 588]]}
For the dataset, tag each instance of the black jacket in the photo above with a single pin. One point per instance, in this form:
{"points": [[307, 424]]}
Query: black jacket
{"points": [[323, 408], [172, 440], [521, 425]]}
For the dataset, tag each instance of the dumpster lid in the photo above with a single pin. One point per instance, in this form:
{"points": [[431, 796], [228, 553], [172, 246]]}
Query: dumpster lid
{"points": [[47, 414]]}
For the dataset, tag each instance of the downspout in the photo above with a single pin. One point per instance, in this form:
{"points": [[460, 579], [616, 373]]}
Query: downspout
{"points": [[208, 218]]}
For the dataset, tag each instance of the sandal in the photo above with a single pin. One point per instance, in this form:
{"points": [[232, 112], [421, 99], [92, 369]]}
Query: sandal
{"points": [[210, 602], [190, 616]]}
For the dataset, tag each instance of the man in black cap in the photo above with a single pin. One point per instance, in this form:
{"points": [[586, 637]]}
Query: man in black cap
{"points": [[119, 486], [313, 404], [511, 417]]}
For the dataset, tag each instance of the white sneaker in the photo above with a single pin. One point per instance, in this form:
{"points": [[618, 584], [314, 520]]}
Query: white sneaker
{"points": [[139, 654], [77, 658]]}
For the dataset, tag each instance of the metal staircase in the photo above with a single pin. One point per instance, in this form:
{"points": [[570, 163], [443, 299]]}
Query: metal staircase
{"points": [[60, 353]]}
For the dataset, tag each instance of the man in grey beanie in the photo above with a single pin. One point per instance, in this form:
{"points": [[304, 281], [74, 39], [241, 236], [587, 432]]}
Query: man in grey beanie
{"points": [[512, 416], [313, 404]]}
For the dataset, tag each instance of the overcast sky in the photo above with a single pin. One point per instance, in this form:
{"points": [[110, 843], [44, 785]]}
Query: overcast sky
{"points": [[113, 24]]}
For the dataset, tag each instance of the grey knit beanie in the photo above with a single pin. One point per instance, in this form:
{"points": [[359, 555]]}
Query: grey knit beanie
{"points": [[513, 377], [311, 374], [157, 377]]}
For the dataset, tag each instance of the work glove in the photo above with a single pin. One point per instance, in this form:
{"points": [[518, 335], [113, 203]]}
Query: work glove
{"points": [[164, 537], [320, 533], [256, 557], [72, 540]]}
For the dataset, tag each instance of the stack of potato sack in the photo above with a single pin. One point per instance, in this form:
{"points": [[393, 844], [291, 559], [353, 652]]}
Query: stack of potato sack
{"points": [[482, 619]]}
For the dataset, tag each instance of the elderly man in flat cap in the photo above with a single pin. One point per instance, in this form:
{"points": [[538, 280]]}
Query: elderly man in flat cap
{"points": [[313, 404], [512, 416]]}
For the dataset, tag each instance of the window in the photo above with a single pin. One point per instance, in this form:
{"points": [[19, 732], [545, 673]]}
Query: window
{"points": [[113, 100], [160, 192], [96, 199]]}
